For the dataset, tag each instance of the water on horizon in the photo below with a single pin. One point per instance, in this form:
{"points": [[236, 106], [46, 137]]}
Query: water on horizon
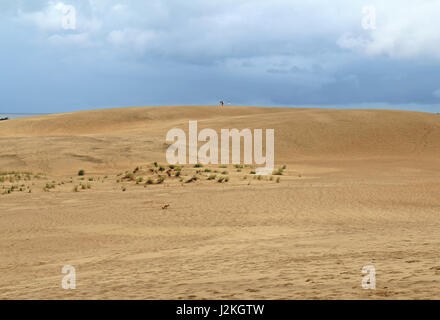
{"points": [[19, 115]]}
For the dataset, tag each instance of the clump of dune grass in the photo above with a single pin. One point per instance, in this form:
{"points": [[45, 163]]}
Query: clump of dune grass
{"points": [[48, 186], [278, 180], [198, 165], [124, 189], [280, 171], [225, 172], [160, 180], [149, 181], [220, 179], [7, 191], [139, 180], [252, 172], [212, 177], [178, 171], [223, 166], [129, 176], [193, 179], [81, 172]]}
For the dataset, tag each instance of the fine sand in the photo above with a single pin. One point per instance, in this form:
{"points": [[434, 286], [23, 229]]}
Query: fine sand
{"points": [[360, 187]]}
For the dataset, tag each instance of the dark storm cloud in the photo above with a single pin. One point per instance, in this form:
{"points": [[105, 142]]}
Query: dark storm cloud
{"points": [[132, 53]]}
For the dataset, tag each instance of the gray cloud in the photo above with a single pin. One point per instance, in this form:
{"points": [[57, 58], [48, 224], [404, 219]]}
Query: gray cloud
{"points": [[197, 52]]}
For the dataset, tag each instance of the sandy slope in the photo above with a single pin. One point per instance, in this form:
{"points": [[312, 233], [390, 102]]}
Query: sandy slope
{"points": [[361, 187]]}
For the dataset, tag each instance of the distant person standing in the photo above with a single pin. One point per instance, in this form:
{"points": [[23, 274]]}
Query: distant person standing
{"points": [[222, 103]]}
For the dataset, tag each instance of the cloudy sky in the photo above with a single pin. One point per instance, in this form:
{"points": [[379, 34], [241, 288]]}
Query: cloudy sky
{"points": [[108, 53]]}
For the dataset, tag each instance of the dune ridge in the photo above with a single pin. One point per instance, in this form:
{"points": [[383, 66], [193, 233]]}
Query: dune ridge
{"points": [[138, 134]]}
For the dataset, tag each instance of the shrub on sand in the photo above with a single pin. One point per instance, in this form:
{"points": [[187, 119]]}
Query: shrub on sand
{"points": [[129, 176], [194, 178], [160, 180]]}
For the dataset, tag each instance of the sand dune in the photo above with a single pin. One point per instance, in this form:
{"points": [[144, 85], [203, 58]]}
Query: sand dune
{"points": [[361, 187], [123, 137]]}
